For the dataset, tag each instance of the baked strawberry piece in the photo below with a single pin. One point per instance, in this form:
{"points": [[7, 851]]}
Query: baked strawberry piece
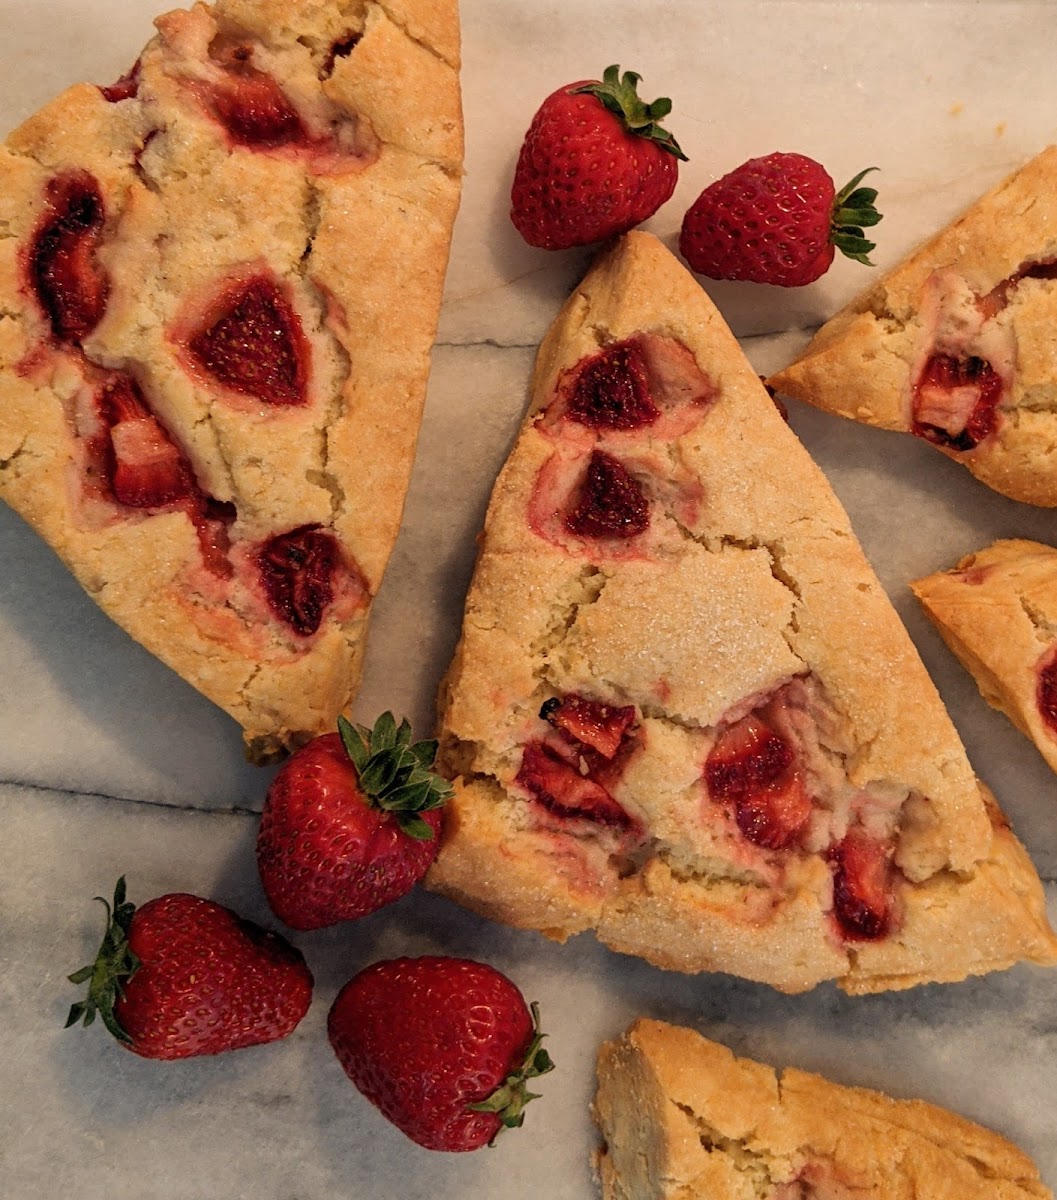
{"points": [[681, 1118], [951, 345], [674, 730], [206, 406]]}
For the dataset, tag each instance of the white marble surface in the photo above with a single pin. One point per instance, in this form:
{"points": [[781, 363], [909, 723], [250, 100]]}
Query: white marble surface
{"points": [[110, 764]]}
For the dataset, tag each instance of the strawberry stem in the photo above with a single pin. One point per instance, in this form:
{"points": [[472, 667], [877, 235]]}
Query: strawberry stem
{"points": [[395, 773], [853, 211], [114, 963], [619, 95], [508, 1101]]}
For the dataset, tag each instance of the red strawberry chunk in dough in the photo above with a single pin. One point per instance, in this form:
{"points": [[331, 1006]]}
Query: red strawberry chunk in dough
{"points": [[67, 280], [955, 401], [753, 767], [774, 816], [610, 503], [612, 391], [563, 791], [251, 105], [147, 469], [862, 898], [255, 344], [747, 756], [1046, 689], [297, 572], [590, 722]]}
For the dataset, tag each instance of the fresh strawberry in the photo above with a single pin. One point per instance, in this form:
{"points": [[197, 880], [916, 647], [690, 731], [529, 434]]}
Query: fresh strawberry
{"points": [[595, 162], [590, 722], [350, 824], [255, 344], [182, 976], [443, 1047], [777, 220], [862, 901], [63, 270]]}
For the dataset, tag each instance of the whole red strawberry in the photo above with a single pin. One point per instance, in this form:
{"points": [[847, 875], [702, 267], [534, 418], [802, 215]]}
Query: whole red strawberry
{"points": [[350, 824], [182, 976], [595, 162], [777, 220], [443, 1046]]}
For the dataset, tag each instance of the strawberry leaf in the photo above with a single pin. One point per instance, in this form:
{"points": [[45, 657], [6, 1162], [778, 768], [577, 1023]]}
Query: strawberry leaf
{"points": [[114, 964], [853, 210], [508, 1101], [619, 95], [415, 827], [394, 772]]}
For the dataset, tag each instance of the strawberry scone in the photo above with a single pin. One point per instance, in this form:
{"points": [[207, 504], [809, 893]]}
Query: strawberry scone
{"points": [[683, 712], [219, 285], [954, 344], [682, 1118], [997, 610]]}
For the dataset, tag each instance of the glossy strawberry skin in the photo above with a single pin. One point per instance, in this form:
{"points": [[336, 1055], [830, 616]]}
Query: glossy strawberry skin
{"points": [[423, 1038], [581, 177], [768, 221], [208, 981], [324, 854]]}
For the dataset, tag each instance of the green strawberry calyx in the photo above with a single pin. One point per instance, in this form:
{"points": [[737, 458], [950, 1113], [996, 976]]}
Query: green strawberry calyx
{"points": [[509, 1099], [853, 211], [619, 95], [394, 772], [114, 963]]}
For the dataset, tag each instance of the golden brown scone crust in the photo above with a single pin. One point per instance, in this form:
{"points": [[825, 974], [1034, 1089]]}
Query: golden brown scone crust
{"points": [[356, 231], [765, 584], [682, 1118], [860, 364], [997, 610]]}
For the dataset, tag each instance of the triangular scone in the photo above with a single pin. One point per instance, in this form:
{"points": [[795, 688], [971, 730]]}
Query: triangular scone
{"points": [[997, 610], [219, 286], [682, 1118], [683, 712], [955, 344]]}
